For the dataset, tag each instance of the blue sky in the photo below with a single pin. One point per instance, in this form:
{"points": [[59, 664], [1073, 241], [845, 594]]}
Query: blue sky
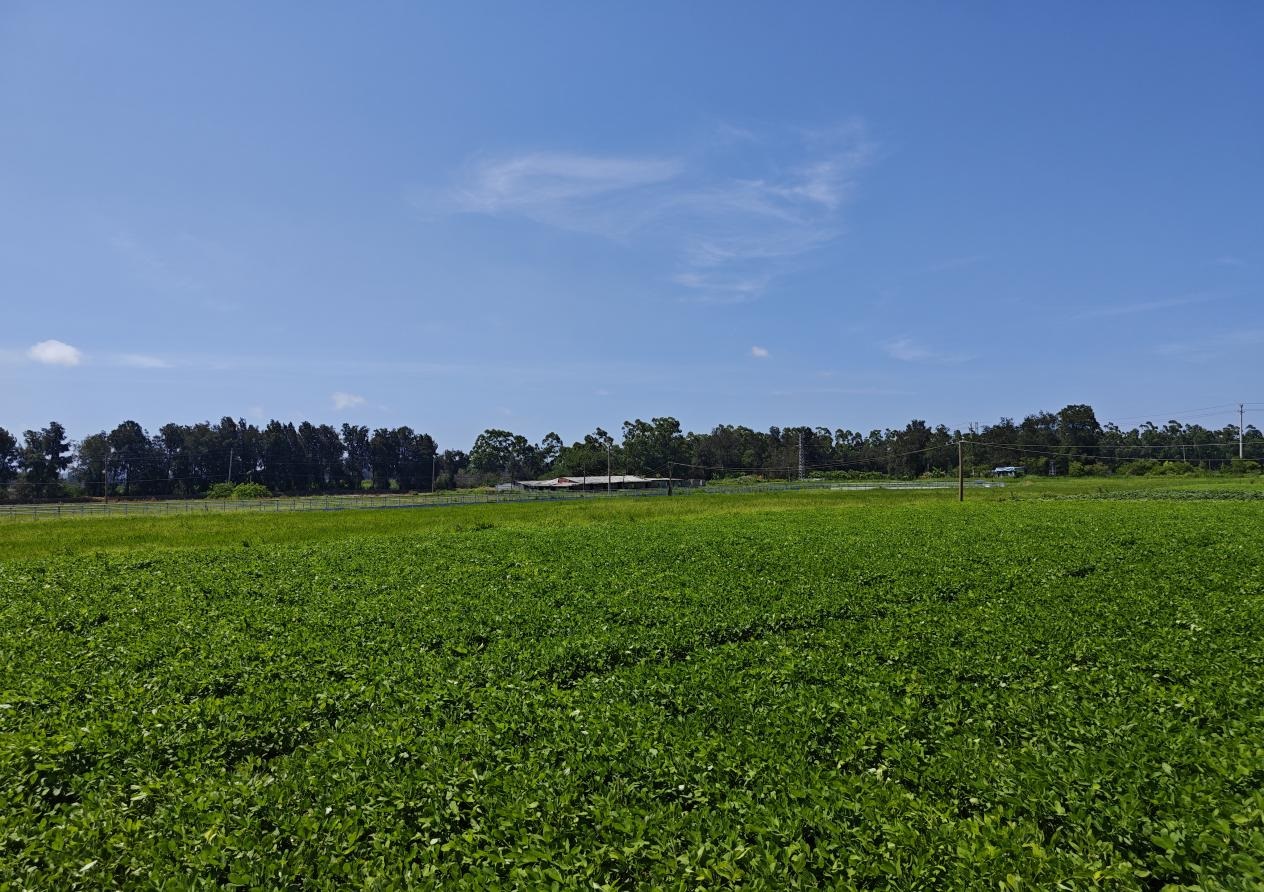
{"points": [[561, 216]]}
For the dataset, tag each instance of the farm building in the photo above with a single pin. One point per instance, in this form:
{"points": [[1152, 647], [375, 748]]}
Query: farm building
{"points": [[600, 482], [1008, 471]]}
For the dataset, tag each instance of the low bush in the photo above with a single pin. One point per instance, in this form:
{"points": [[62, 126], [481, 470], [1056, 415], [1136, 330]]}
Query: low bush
{"points": [[244, 491], [1171, 469], [239, 492]]}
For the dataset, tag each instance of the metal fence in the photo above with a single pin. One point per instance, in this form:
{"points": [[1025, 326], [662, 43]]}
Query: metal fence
{"points": [[830, 485], [189, 507]]}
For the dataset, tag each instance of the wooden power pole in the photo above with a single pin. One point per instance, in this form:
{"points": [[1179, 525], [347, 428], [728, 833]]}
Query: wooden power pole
{"points": [[961, 473]]}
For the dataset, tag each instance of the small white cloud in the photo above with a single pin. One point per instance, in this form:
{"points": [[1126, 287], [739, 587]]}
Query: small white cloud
{"points": [[141, 361], [343, 400], [759, 352], [55, 353]]}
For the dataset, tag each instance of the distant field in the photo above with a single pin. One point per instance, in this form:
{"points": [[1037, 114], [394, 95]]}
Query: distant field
{"points": [[842, 689]]}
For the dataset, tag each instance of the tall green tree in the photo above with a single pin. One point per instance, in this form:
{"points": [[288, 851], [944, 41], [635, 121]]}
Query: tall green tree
{"points": [[276, 457], [357, 463], [499, 453], [414, 463], [547, 452], [91, 461], [383, 457], [325, 452], [590, 456], [238, 451], [44, 456], [134, 462], [452, 463], [652, 446], [8, 458]]}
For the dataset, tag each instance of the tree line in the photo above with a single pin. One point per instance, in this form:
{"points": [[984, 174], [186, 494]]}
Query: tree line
{"points": [[186, 461]]}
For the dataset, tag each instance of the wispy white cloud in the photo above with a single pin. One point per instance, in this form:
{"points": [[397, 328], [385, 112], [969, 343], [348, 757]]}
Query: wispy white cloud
{"points": [[1214, 346], [842, 391], [825, 183], [906, 349], [1148, 306], [54, 352], [759, 352], [721, 288], [724, 132], [141, 361], [343, 400], [542, 185], [725, 228], [1229, 260]]}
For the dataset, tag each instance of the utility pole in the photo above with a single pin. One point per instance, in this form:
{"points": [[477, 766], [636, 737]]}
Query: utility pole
{"points": [[961, 473], [1241, 428], [608, 487], [230, 464], [432, 472], [800, 455], [105, 481], [669, 478]]}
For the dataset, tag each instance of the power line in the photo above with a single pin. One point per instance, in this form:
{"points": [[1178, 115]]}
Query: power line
{"points": [[1076, 446], [817, 466], [1048, 451], [1173, 414]]}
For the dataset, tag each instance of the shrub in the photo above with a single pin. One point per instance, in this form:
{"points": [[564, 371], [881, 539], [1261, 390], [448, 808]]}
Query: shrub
{"points": [[1171, 469], [220, 491], [251, 491]]}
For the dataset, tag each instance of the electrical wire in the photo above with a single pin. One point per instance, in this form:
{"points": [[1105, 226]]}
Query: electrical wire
{"points": [[1078, 447], [817, 466]]}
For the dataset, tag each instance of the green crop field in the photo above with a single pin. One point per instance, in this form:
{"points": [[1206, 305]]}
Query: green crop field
{"points": [[849, 690]]}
